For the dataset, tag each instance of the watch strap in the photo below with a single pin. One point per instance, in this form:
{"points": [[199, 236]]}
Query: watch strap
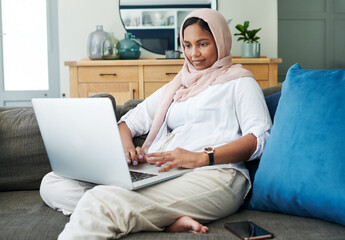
{"points": [[211, 157]]}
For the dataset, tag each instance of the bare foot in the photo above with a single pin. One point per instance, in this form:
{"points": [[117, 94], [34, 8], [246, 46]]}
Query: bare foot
{"points": [[187, 224]]}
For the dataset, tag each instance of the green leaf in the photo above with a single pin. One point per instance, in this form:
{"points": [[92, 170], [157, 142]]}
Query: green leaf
{"points": [[240, 38], [252, 33], [247, 35], [256, 39], [257, 30], [240, 28], [246, 25]]}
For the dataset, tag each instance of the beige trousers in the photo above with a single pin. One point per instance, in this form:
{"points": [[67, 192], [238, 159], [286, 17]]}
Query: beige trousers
{"points": [[108, 212]]}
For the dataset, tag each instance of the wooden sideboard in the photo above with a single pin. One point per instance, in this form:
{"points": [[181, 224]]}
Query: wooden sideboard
{"points": [[137, 79]]}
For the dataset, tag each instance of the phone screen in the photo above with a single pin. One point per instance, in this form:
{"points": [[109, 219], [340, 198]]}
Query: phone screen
{"points": [[247, 230]]}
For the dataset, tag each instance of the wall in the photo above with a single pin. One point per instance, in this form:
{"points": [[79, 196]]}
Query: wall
{"points": [[319, 25], [78, 18], [261, 14]]}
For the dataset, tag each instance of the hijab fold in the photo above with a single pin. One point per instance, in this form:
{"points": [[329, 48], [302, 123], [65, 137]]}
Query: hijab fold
{"points": [[189, 81]]}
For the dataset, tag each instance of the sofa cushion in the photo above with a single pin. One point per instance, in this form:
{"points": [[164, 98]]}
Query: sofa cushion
{"points": [[272, 90], [302, 167], [129, 105], [272, 103], [272, 100], [25, 216], [23, 158]]}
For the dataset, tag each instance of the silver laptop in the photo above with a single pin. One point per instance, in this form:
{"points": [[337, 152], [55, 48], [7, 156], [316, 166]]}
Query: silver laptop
{"points": [[82, 140]]}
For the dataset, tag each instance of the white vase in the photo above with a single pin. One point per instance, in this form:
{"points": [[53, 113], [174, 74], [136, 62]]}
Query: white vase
{"points": [[250, 50], [95, 42]]}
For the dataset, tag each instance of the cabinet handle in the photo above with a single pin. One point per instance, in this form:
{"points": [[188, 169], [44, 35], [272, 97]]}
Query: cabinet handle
{"points": [[170, 73], [133, 93], [107, 74]]}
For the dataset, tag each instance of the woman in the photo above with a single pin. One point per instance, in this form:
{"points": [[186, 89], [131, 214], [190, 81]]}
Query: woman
{"points": [[210, 103]]}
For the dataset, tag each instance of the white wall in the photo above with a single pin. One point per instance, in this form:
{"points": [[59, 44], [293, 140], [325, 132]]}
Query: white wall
{"points": [[78, 18], [261, 14]]}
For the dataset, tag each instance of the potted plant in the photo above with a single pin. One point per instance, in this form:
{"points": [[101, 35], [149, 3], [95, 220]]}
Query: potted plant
{"points": [[250, 47]]}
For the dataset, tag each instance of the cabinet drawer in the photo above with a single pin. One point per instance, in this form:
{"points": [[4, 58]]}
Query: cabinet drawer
{"points": [[260, 71], [108, 74], [160, 73]]}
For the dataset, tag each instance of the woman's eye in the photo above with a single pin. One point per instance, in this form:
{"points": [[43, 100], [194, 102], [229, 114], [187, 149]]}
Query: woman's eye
{"points": [[203, 44], [187, 45]]}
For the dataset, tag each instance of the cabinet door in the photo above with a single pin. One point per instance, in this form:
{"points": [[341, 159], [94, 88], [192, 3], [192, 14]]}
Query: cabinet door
{"points": [[151, 87], [122, 92], [260, 73]]}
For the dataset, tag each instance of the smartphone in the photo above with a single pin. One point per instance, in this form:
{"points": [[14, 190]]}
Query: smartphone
{"points": [[247, 230]]}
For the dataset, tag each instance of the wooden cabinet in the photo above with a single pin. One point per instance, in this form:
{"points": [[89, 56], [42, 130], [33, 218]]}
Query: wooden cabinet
{"points": [[157, 76], [265, 70], [119, 81], [133, 79]]}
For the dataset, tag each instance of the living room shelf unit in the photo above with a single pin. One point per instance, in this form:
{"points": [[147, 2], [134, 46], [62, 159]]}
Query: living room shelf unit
{"points": [[135, 20], [138, 79]]}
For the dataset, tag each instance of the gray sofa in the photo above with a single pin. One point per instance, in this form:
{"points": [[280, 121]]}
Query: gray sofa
{"points": [[23, 215]]}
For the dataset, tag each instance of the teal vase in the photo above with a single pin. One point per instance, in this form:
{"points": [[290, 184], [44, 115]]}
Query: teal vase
{"points": [[129, 48], [110, 48]]}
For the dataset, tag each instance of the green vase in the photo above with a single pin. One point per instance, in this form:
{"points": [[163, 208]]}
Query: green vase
{"points": [[110, 48], [129, 48]]}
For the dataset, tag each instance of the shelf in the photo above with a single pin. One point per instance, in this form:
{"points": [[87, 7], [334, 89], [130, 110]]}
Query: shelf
{"points": [[155, 18], [149, 27]]}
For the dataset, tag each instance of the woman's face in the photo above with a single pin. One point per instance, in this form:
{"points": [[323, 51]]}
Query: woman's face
{"points": [[200, 47]]}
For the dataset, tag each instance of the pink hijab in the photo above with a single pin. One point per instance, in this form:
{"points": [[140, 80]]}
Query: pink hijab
{"points": [[189, 81]]}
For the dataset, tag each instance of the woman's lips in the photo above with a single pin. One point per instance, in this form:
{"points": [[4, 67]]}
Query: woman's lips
{"points": [[198, 62]]}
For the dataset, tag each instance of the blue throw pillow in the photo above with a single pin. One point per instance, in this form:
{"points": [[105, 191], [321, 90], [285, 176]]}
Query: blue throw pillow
{"points": [[302, 169]]}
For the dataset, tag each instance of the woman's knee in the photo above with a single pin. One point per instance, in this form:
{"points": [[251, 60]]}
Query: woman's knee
{"points": [[61, 193], [47, 188]]}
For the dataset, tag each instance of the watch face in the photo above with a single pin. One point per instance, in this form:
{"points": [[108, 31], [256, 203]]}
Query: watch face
{"points": [[208, 149]]}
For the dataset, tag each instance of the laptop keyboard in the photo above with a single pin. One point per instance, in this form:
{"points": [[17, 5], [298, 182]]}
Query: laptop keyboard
{"points": [[137, 176]]}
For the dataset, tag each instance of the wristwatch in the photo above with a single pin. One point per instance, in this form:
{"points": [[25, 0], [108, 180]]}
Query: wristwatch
{"points": [[210, 151]]}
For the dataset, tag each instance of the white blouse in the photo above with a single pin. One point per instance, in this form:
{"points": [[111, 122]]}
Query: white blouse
{"points": [[216, 116]]}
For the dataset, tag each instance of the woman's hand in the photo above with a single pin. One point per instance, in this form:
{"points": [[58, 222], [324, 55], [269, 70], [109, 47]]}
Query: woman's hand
{"points": [[134, 155], [178, 158]]}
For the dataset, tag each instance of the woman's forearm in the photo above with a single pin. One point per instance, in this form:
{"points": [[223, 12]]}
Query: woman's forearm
{"points": [[126, 135], [236, 151]]}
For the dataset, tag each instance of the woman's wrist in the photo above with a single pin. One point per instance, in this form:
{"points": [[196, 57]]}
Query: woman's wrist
{"points": [[204, 159]]}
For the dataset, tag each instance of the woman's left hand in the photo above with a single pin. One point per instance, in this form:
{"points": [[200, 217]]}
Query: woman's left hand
{"points": [[178, 158]]}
